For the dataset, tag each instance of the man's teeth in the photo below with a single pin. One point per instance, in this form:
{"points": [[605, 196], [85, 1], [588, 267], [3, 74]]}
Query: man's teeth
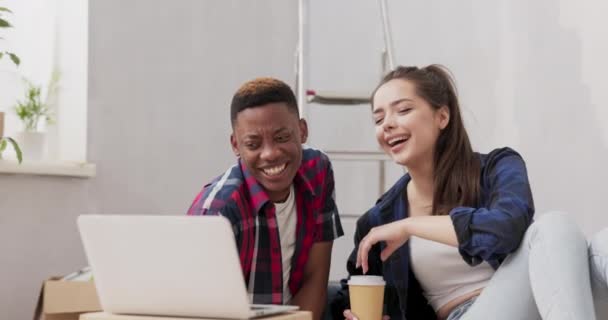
{"points": [[274, 170]]}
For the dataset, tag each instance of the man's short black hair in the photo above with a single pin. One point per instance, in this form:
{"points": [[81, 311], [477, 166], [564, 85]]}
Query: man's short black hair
{"points": [[262, 91]]}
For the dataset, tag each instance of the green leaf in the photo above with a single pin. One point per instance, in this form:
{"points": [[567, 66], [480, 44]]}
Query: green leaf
{"points": [[4, 24], [17, 149], [14, 57], [1, 54], [5, 9], [2, 147]]}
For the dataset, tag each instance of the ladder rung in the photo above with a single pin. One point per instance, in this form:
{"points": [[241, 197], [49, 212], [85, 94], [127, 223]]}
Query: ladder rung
{"points": [[333, 97]]}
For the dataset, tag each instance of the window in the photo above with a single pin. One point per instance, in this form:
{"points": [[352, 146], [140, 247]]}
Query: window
{"points": [[49, 36]]}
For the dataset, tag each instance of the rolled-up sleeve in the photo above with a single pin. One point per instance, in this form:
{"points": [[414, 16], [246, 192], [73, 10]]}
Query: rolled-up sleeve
{"points": [[328, 222], [495, 229]]}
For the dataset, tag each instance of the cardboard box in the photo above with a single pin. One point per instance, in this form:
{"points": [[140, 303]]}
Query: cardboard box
{"points": [[296, 315], [66, 300]]}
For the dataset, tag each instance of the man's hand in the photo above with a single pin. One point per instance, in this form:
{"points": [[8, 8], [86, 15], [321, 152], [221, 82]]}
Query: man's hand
{"points": [[394, 234], [348, 315]]}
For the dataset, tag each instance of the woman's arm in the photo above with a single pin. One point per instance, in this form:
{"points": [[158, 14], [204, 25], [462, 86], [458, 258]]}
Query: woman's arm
{"points": [[489, 232], [434, 228], [495, 229], [395, 234]]}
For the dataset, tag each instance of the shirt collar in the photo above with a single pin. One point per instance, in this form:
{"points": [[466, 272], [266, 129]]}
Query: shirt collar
{"points": [[393, 194]]}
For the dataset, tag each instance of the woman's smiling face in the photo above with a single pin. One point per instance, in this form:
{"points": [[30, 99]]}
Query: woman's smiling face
{"points": [[407, 126]]}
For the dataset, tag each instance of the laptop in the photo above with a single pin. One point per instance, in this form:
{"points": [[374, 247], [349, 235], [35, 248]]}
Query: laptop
{"points": [[168, 266]]}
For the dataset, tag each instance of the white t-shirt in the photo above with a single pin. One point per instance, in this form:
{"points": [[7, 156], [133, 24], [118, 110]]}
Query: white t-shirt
{"points": [[286, 222]]}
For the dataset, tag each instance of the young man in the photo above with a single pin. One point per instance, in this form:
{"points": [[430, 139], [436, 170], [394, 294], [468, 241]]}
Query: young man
{"points": [[279, 198]]}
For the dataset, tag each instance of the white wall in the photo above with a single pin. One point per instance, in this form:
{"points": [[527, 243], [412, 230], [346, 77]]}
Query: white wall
{"points": [[161, 75], [71, 61], [162, 72], [531, 75]]}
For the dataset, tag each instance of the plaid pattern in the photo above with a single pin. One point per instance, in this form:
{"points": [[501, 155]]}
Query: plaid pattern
{"points": [[237, 196], [488, 232]]}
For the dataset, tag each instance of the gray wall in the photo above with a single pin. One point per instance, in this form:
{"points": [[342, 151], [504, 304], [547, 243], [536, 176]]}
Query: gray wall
{"points": [[162, 72], [531, 75], [161, 76]]}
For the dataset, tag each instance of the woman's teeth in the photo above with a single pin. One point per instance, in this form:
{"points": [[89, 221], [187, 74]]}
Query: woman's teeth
{"points": [[394, 141]]}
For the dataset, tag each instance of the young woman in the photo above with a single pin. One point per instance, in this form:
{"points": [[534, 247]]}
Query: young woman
{"points": [[456, 233]]}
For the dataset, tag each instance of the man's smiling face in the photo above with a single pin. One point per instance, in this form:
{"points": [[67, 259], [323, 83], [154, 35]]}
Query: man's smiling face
{"points": [[269, 140]]}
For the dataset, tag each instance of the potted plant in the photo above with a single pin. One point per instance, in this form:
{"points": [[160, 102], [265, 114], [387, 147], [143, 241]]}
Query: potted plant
{"points": [[32, 110], [5, 141]]}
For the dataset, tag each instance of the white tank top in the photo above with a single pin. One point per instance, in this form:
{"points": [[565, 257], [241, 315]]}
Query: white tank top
{"points": [[443, 274]]}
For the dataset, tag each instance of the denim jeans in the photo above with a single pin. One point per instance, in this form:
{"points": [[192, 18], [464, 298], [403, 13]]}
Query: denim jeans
{"points": [[461, 309], [598, 264], [546, 278]]}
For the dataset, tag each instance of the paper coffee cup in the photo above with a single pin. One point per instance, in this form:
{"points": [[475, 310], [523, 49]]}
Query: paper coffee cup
{"points": [[366, 296]]}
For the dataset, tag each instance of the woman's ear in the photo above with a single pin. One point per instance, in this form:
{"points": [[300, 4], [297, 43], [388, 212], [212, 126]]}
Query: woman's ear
{"points": [[443, 117]]}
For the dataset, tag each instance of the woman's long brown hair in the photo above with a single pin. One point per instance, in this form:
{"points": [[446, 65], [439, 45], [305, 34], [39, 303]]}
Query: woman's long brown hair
{"points": [[457, 169]]}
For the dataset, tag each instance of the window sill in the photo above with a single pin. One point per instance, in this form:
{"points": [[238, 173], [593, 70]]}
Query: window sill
{"points": [[49, 168]]}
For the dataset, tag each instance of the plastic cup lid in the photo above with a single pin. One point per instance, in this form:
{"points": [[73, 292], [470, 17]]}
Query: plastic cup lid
{"points": [[366, 281]]}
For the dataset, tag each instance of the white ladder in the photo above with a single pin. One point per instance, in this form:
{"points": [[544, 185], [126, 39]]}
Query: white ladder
{"points": [[305, 95]]}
